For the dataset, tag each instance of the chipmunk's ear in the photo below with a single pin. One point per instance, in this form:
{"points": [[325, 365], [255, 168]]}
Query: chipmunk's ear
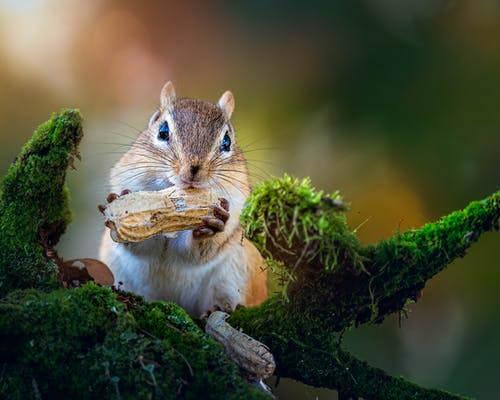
{"points": [[167, 96], [226, 104]]}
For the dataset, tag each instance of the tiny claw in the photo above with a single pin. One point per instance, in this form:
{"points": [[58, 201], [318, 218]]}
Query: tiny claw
{"points": [[112, 197], [101, 208], [203, 232], [224, 203], [220, 213], [110, 225], [125, 192], [215, 224]]}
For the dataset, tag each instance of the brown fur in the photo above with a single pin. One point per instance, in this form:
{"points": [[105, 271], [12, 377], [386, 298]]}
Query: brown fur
{"points": [[256, 291]]}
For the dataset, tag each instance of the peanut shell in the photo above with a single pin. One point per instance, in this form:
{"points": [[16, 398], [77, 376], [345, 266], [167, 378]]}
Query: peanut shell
{"points": [[137, 216]]}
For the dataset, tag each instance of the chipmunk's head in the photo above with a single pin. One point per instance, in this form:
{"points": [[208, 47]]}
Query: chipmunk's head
{"points": [[189, 143]]}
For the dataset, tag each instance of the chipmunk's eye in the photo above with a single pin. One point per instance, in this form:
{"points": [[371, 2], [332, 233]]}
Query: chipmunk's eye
{"points": [[164, 131], [226, 143]]}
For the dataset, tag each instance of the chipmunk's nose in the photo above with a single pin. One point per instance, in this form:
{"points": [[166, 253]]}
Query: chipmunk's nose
{"points": [[194, 170], [191, 175]]}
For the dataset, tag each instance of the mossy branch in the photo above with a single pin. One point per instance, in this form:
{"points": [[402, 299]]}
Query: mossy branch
{"points": [[402, 264], [328, 275], [317, 358], [332, 282], [34, 209], [91, 343]]}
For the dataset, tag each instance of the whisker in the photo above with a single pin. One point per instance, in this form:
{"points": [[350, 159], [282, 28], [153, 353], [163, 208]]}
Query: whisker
{"points": [[231, 180], [123, 135], [113, 144], [273, 149], [221, 188], [141, 169], [131, 178], [129, 125], [149, 156], [252, 160]]}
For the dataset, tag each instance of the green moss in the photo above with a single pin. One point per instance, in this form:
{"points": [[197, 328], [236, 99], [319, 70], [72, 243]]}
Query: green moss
{"points": [[292, 222], [402, 264], [330, 279], [317, 358], [85, 343], [34, 201]]}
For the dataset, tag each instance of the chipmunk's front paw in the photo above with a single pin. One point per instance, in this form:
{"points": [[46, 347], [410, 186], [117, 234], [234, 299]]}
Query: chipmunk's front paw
{"points": [[214, 224]]}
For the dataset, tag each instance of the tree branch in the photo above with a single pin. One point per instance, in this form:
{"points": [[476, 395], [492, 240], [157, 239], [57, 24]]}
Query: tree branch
{"points": [[328, 294], [34, 207]]}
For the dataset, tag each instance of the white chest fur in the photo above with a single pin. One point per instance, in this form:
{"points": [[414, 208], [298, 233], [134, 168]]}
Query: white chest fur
{"points": [[155, 270]]}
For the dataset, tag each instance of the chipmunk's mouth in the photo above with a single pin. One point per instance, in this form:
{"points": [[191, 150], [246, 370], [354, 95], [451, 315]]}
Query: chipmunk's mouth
{"points": [[185, 184]]}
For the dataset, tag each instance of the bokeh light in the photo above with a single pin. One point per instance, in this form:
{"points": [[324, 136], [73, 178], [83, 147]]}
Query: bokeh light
{"points": [[394, 103]]}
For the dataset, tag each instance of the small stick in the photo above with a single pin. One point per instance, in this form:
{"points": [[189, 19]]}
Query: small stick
{"points": [[253, 357]]}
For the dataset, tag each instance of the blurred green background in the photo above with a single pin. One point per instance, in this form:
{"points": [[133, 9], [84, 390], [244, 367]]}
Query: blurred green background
{"points": [[395, 103]]}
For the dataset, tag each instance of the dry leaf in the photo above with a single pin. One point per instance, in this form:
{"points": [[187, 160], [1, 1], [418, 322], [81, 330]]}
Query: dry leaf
{"points": [[93, 268]]}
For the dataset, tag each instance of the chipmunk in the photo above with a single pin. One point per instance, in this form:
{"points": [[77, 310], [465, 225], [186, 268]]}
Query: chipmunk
{"points": [[189, 143]]}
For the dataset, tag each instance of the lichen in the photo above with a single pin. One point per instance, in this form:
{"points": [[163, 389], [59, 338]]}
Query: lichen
{"points": [[34, 203]]}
